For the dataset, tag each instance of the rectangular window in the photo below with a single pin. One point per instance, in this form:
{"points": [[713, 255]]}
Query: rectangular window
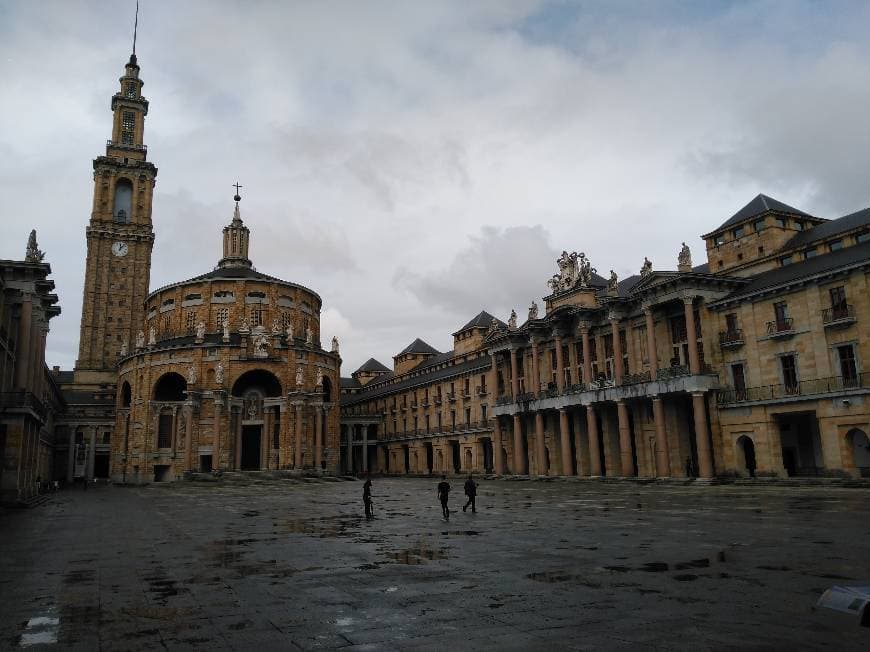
{"points": [[835, 245], [483, 413], [781, 222], [798, 225], [256, 317], [164, 431], [738, 380], [788, 366], [786, 260], [848, 365], [739, 232], [862, 237], [719, 239], [190, 322], [467, 416], [759, 226], [810, 253], [838, 301], [731, 322], [780, 312], [221, 315]]}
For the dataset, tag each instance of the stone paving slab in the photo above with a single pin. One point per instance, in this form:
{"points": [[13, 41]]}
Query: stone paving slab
{"points": [[565, 565]]}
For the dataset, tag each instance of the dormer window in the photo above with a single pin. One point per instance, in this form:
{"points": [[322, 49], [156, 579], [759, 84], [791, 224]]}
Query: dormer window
{"points": [[739, 232], [781, 222], [798, 225], [810, 253], [835, 245], [759, 225], [719, 239], [786, 260], [862, 237]]}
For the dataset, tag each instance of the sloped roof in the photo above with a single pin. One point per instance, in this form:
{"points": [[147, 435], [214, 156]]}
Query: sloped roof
{"points": [[418, 346], [759, 205], [350, 383], [830, 228], [482, 320], [228, 273], [804, 269], [372, 365]]}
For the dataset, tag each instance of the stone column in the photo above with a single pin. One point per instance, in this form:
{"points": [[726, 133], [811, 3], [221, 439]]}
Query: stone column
{"points": [[694, 358], [651, 343], [493, 379], [188, 436], [618, 370], [92, 453], [663, 463], [540, 444], [519, 458], [265, 444], [565, 433], [536, 371], [22, 352], [572, 362], [625, 440], [702, 435], [497, 457], [587, 357], [365, 448], [560, 365], [70, 468], [318, 435], [594, 449], [238, 437], [515, 381], [216, 436], [298, 425]]}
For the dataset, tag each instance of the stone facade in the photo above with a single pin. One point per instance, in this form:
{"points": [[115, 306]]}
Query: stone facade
{"points": [[751, 370], [29, 398], [227, 373]]}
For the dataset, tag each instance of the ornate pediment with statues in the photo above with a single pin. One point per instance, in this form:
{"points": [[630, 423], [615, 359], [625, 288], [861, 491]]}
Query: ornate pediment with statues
{"points": [[575, 284]]}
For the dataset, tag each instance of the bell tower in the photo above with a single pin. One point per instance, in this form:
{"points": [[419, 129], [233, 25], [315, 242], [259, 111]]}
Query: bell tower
{"points": [[119, 237]]}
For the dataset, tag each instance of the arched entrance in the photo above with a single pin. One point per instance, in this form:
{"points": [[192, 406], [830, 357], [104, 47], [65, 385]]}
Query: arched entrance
{"points": [[250, 391], [859, 444], [746, 455], [468, 461]]}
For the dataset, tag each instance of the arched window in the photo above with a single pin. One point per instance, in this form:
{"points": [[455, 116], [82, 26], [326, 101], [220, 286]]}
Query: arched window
{"points": [[121, 210], [126, 395]]}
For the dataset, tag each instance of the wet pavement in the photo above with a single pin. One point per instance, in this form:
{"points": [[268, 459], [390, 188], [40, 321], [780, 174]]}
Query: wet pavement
{"points": [[286, 564]]}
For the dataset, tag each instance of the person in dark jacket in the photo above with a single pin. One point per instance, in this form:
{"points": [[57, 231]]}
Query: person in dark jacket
{"points": [[444, 495], [471, 492], [367, 498]]}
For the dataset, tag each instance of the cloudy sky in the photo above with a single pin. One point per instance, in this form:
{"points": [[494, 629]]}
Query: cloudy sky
{"points": [[416, 162]]}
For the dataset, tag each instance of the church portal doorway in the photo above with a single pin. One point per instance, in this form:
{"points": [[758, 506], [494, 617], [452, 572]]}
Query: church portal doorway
{"points": [[251, 447]]}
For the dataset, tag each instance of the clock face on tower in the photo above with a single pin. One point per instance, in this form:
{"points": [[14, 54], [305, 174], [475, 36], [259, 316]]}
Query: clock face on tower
{"points": [[119, 249]]}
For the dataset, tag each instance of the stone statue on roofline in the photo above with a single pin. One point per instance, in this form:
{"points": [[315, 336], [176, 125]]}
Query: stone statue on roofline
{"points": [[684, 259], [191, 375], [289, 331], [334, 344], [646, 268], [226, 328], [123, 351], [276, 327], [299, 378], [33, 254], [512, 321], [613, 284], [261, 344], [533, 311]]}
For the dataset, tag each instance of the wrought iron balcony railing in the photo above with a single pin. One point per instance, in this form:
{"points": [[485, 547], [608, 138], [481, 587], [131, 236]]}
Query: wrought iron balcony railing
{"points": [[808, 387], [838, 315], [731, 338], [781, 327]]}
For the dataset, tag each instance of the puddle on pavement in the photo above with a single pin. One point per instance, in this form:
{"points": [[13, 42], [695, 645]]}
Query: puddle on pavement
{"points": [[417, 555], [40, 630], [470, 533]]}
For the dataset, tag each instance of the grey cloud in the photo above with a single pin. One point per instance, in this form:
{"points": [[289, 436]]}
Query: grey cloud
{"points": [[498, 270]]}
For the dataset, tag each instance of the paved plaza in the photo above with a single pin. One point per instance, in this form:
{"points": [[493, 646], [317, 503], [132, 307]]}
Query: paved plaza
{"points": [[292, 564]]}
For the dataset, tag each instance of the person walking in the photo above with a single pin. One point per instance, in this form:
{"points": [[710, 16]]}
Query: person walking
{"points": [[367, 498], [444, 495], [471, 492]]}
